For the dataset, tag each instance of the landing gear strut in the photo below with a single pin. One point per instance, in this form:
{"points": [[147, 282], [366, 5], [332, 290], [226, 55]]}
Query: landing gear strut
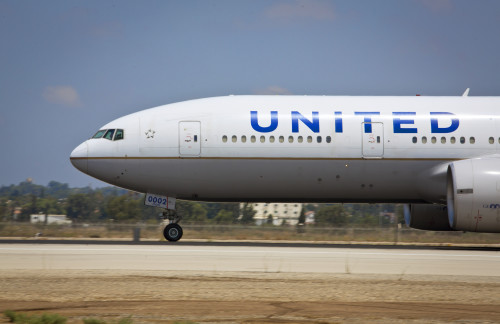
{"points": [[173, 231]]}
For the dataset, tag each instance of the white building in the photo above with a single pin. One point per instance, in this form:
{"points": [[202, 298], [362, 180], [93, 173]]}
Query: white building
{"points": [[51, 219], [280, 212], [310, 217]]}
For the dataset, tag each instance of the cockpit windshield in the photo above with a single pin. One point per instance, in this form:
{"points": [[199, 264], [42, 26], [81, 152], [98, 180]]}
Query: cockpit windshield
{"points": [[99, 133], [119, 134], [108, 134]]}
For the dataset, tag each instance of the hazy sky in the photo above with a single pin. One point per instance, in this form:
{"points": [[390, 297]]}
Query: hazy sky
{"points": [[69, 67]]}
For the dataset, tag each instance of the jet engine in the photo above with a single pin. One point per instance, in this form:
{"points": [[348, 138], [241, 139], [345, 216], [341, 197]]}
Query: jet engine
{"points": [[427, 217], [473, 195]]}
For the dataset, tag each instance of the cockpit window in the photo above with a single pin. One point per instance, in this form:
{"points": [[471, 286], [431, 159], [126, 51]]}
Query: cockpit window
{"points": [[109, 134], [99, 134], [119, 134]]}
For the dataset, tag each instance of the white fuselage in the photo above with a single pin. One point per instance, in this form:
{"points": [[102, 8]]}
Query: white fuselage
{"points": [[295, 148]]}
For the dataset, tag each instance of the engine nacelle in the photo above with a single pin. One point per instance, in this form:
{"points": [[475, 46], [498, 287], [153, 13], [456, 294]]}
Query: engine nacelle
{"points": [[428, 217], [473, 195]]}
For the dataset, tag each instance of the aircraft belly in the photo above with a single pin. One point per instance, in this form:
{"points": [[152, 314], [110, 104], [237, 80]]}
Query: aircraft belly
{"points": [[280, 180]]}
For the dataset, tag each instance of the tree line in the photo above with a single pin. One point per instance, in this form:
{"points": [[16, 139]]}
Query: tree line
{"points": [[111, 204]]}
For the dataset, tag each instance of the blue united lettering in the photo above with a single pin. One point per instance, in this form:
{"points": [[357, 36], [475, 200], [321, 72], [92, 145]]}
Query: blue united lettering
{"points": [[312, 124], [400, 119], [254, 120], [403, 122], [435, 123]]}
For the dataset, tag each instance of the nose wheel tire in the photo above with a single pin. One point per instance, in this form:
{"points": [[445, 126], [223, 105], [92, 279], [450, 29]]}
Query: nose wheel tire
{"points": [[172, 232]]}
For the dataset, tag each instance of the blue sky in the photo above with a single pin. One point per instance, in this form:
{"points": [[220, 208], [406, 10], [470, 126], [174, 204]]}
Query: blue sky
{"points": [[68, 67]]}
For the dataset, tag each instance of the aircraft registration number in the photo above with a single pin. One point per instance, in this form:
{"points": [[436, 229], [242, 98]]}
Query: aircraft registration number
{"points": [[159, 201]]}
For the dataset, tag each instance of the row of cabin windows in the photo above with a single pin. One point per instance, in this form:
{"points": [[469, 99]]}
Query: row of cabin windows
{"points": [[453, 140], [280, 139], [328, 139]]}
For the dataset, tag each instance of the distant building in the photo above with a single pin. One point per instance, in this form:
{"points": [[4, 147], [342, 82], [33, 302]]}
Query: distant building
{"points": [[309, 217], [51, 219], [280, 212]]}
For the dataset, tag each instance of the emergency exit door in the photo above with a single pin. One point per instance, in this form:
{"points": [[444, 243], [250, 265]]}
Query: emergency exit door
{"points": [[373, 140], [189, 138]]}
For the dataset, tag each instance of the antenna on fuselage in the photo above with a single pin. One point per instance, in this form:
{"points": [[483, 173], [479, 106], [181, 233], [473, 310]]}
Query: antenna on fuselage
{"points": [[466, 92]]}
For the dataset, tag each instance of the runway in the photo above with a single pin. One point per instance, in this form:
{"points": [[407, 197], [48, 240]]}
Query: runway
{"points": [[251, 283], [171, 257]]}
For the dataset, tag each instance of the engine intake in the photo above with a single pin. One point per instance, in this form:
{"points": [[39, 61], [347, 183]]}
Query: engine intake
{"points": [[473, 195]]}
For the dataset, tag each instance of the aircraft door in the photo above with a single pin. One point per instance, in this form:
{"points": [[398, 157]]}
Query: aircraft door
{"points": [[373, 142], [189, 138]]}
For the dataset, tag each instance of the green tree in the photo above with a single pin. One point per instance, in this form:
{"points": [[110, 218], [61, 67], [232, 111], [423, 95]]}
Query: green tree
{"points": [[124, 209], [302, 216], [192, 211], [310, 207], [4, 209], [224, 217], [29, 208], [331, 215], [79, 207], [400, 217], [50, 205], [198, 213], [214, 208], [247, 213], [57, 189]]}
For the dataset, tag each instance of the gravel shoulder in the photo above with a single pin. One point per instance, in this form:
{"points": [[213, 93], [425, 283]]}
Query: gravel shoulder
{"points": [[251, 297]]}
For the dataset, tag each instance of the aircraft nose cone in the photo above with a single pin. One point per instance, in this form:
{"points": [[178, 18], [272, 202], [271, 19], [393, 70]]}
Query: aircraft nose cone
{"points": [[79, 157]]}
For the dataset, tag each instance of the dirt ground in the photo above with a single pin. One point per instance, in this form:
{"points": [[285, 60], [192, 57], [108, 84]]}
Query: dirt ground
{"points": [[212, 297]]}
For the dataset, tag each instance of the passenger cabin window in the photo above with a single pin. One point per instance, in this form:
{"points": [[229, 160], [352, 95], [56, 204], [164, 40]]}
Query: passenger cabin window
{"points": [[224, 139], [109, 134], [99, 134], [119, 135], [271, 139]]}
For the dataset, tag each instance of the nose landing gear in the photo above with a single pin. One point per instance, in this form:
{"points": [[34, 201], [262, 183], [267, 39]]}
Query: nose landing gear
{"points": [[173, 231]]}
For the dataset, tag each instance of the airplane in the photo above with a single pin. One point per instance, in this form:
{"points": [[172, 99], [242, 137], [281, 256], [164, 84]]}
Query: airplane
{"points": [[439, 156]]}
